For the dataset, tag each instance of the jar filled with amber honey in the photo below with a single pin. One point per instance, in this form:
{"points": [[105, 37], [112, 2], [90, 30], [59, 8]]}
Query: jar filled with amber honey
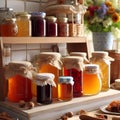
{"points": [[19, 75], [50, 62], [65, 88], [44, 82], [103, 60], [91, 79], [23, 23]]}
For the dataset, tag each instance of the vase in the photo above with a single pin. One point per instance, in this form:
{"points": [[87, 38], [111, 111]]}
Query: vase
{"points": [[102, 41]]}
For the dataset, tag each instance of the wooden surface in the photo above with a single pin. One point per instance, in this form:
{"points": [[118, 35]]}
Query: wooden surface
{"points": [[56, 109]]}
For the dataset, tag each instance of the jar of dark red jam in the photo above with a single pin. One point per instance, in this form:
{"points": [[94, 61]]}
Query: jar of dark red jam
{"points": [[51, 26], [38, 24], [44, 82], [73, 66]]}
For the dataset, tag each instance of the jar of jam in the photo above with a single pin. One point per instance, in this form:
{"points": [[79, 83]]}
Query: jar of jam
{"points": [[9, 27], [65, 88], [24, 24], [91, 79], [73, 66], [5, 13], [44, 82], [50, 62], [51, 26], [38, 24], [63, 27], [103, 60], [19, 75]]}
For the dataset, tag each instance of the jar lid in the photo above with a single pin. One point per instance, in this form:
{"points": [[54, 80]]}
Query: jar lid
{"points": [[3, 9], [100, 53], [51, 18], [9, 20], [22, 14], [38, 14], [82, 54], [66, 79], [64, 19], [92, 68], [43, 79]]}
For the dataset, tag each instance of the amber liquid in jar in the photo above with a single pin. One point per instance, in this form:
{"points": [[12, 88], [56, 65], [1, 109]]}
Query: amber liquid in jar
{"points": [[19, 89], [51, 69], [91, 81]]}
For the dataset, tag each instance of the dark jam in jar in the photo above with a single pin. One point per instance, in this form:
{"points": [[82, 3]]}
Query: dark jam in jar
{"points": [[38, 24], [51, 26]]}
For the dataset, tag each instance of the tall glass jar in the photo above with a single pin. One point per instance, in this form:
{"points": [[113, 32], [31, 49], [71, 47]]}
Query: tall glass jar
{"points": [[50, 62], [91, 79], [5, 13], [73, 66], [9, 27], [63, 27], [19, 75], [65, 88], [103, 60], [23, 23], [44, 82], [38, 24], [51, 26]]}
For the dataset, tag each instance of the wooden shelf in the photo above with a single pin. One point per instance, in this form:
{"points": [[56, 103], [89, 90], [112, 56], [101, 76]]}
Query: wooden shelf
{"points": [[31, 40], [55, 110]]}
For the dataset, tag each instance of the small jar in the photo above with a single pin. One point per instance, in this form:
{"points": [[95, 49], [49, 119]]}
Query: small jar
{"points": [[44, 82], [63, 27], [65, 88], [38, 24], [73, 66], [103, 60], [51, 26], [9, 27], [91, 79], [24, 24], [19, 75]]}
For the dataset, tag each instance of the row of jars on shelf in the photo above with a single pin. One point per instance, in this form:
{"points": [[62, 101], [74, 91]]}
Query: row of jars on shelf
{"points": [[38, 24], [51, 77]]}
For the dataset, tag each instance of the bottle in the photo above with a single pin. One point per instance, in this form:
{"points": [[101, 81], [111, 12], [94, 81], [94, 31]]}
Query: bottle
{"points": [[65, 88], [38, 24], [103, 60], [63, 27], [50, 62], [73, 66], [9, 27], [51, 26], [44, 82], [19, 75], [24, 24], [91, 79]]}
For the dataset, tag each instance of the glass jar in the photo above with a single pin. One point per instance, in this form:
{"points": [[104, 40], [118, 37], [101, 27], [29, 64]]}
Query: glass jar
{"points": [[44, 82], [51, 26], [63, 27], [9, 27], [103, 60], [19, 75], [5, 13], [38, 24], [65, 88], [23, 23], [50, 62], [91, 79], [73, 66], [81, 54]]}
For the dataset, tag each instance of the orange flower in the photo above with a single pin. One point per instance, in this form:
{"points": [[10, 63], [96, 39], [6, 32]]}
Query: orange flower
{"points": [[111, 10], [108, 4], [116, 17]]}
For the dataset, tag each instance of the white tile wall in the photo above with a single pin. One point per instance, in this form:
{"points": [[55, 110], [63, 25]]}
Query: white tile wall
{"points": [[24, 52]]}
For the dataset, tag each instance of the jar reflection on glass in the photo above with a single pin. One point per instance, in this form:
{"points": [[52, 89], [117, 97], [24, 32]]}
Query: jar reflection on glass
{"points": [[9, 27], [65, 88], [51, 26], [38, 24], [44, 82]]}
